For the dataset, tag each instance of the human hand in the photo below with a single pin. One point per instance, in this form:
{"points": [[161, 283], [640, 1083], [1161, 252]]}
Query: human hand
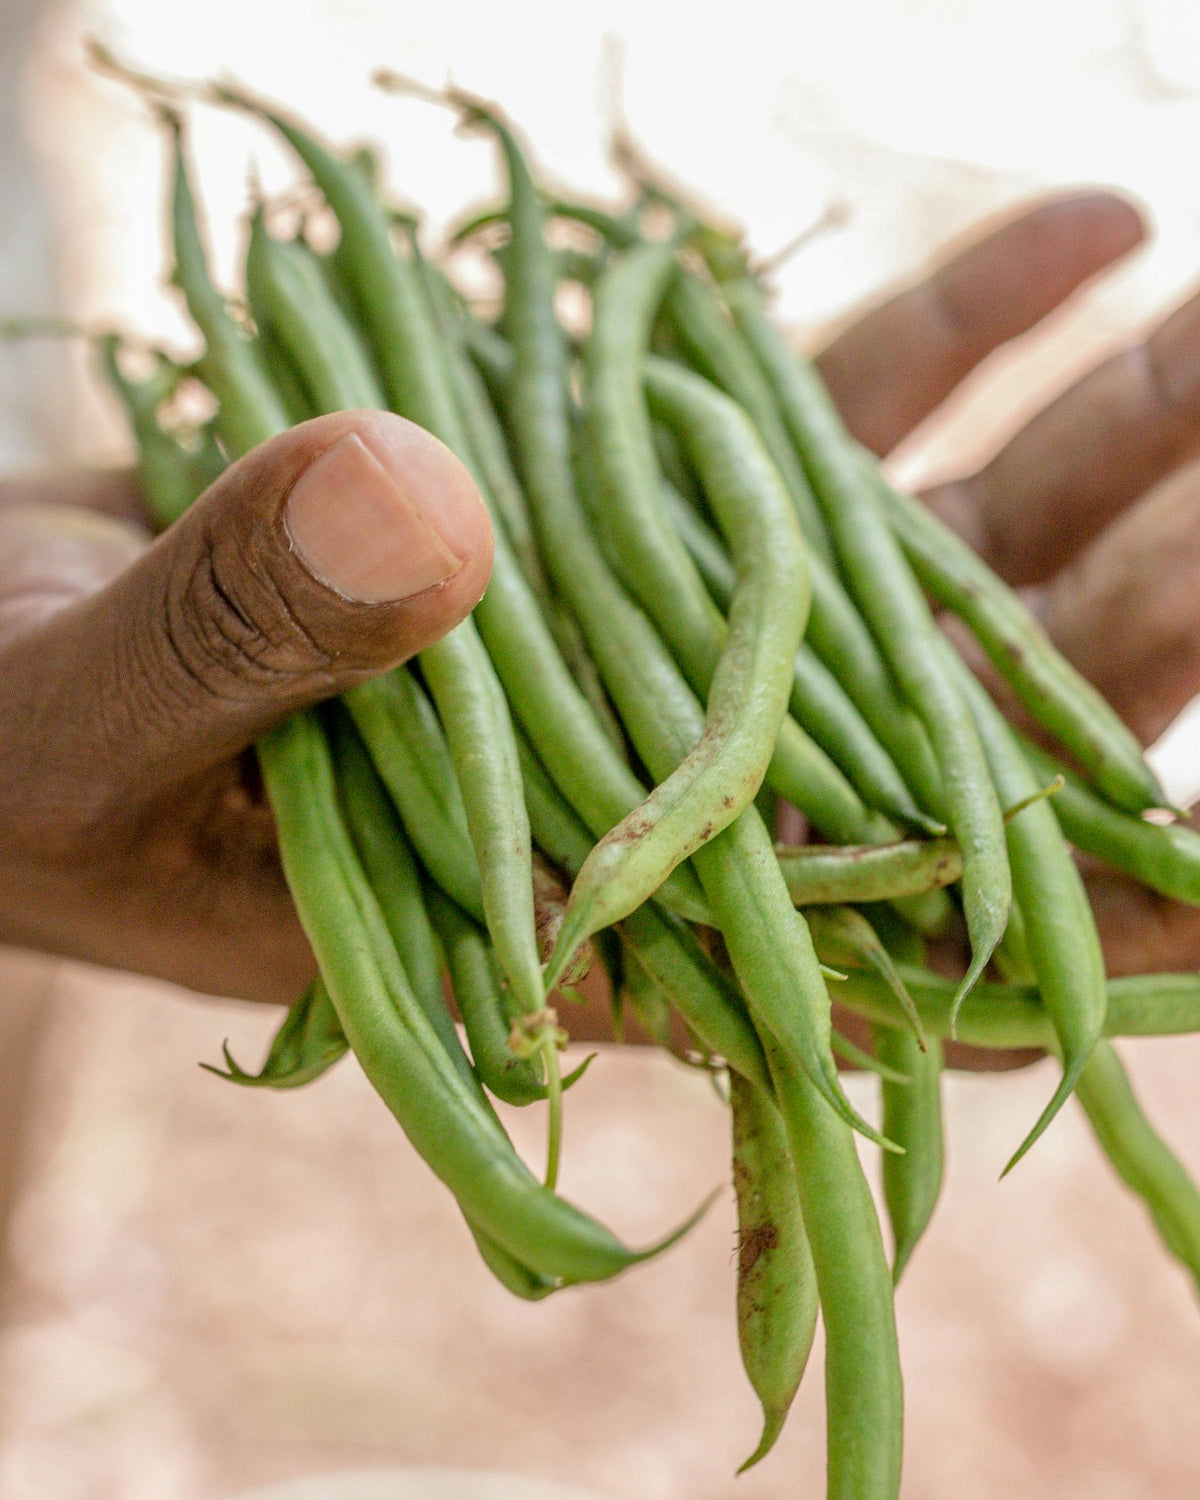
{"points": [[134, 677], [1091, 509]]}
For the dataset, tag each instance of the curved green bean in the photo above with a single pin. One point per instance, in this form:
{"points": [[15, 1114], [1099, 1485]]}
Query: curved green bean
{"points": [[777, 1288], [1140, 1156]]}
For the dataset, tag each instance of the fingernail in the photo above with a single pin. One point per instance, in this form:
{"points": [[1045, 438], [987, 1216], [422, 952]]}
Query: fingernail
{"points": [[359, 530]]}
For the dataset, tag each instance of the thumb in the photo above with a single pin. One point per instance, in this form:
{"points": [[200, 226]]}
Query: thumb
{"points": [[324, 556]]}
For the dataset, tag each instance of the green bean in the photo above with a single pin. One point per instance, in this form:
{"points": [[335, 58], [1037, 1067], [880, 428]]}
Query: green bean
{"points": [[307, 1044], [470, 698], [819, 703], [391, 867], [401, 731], [863, 1392], [1140, 1156], [1060, 930], [1011, 1016], [715, 348], [391, 1035], [912, 1117], [1165, 857], [777, 1289], [1050, 688], [823, 874], [708, 1002], [285, 377], [661, 944], [481, 1003], [483, 431], [249, 410], [748, 693], [324, 348], [858, 1057], [170, 475], [884, 588], [457, 669], [842, 936]]}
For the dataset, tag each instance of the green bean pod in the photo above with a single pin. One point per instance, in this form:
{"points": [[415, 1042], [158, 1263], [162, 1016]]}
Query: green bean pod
{"points": [[481, 1003], [1060, 930], [307, 1044], [828, 875], [1140, 1156], [391, 1036], [661, 944], [400, 729], [776, 1283], [249, 411], [170, 475], [883, 585], [864, 1398], [1165, 857], [912, 1117], [716, 349], [1062, 700], [391, 867], [329, 361], [819, 703]]}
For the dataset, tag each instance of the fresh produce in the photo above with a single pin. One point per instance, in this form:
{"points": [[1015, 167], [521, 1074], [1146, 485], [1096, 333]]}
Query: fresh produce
{"points": [[706, 599]]}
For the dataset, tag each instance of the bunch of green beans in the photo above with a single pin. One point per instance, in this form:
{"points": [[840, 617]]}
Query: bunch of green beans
{"points": [[706, 601]]}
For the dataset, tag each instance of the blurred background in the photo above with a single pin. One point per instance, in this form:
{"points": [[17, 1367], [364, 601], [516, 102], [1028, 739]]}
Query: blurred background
{"points": [[206, 1289]]}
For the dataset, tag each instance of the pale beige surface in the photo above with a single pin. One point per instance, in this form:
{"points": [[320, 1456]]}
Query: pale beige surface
{"points": [[213, 1288], [210, 1289]]}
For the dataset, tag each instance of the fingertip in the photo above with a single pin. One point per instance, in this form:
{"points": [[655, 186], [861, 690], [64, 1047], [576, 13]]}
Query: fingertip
{"points": [[1106, 222], [385, 512]]}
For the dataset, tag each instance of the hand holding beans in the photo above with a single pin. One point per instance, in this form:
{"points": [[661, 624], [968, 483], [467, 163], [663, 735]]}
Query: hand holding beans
{"points": [[522, 742]]}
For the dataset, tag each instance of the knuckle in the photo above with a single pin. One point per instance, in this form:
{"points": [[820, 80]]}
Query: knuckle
{"points": [[229, 630]]}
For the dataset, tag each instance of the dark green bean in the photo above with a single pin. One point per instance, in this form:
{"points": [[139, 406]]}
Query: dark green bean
{"points": [[777, 1286]]}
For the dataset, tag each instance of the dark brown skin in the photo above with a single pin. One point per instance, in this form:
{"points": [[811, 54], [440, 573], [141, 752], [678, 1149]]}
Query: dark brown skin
{"points": [[132, 825]]}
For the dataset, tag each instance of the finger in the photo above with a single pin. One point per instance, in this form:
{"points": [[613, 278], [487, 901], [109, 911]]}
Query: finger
{"points": [[1080, 462], [112, 492], [337, 549], [899, 362], [53, 555], [1141, 931], [1126, 612]]}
